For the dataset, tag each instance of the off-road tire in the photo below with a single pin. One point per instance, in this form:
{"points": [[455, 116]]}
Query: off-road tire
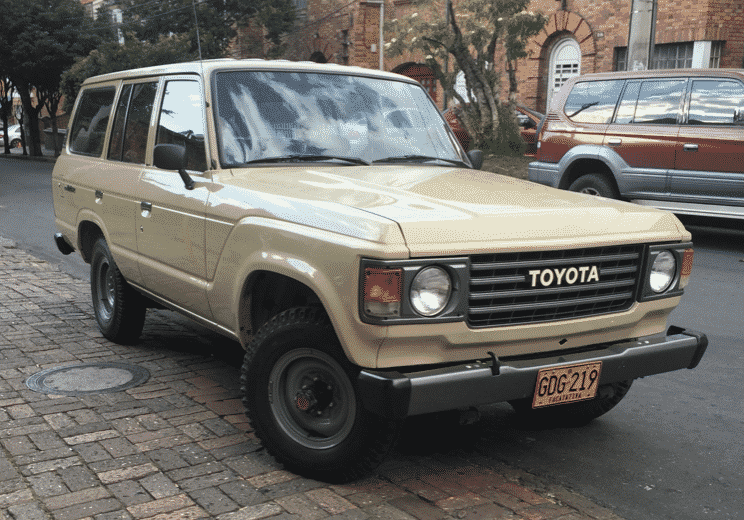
{"points": [[573, 414], [119, 309], [296, 359], [595, 184]]}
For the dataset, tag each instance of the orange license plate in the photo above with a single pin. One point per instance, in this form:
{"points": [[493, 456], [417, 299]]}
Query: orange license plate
{"points": [[567, 384]]}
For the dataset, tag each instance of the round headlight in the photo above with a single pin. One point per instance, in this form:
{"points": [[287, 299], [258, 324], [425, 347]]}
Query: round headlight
{"points": [[662, 271], [430, 291]]}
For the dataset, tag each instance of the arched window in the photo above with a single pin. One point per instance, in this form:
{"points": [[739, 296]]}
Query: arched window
{"points": [[565, 62]]}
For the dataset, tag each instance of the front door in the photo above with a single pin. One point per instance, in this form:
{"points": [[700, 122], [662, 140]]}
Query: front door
{"points": [[709, 167], [170, 221], [644, 134]]}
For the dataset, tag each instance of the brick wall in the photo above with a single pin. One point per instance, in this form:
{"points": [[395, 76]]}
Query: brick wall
{"points": [[599, 26]]}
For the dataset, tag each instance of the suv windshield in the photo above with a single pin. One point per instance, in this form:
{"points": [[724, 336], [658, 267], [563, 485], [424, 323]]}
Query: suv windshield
{"points": [[326, 117]]}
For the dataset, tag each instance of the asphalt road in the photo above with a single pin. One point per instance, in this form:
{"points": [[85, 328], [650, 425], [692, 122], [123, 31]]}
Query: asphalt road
{"points": [[672, 450]]}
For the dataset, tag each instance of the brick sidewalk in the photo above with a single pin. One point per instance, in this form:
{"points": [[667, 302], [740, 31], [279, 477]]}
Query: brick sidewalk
{"points": [[179, 447]]}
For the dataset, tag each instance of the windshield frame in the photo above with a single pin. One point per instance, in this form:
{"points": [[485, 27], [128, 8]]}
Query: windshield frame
{"points": [[458, 152]]}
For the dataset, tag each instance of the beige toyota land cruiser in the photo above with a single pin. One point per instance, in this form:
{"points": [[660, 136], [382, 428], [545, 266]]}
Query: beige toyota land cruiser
{"points": [[327, 219]]}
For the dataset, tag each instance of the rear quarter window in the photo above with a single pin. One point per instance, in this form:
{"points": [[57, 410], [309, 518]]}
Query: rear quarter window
{"points": [[91, 119], [593, 101]]}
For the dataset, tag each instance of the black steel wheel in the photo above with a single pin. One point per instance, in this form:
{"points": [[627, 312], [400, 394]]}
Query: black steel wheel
{"points": [[595, 184], [300, 395], [119, 309], [573, 414]]}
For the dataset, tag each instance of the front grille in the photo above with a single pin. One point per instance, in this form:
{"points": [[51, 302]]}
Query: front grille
{"points": [[518, 288]]}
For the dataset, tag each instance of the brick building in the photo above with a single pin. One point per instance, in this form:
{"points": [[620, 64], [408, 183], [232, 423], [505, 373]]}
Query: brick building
{"points": [[581, 36]]}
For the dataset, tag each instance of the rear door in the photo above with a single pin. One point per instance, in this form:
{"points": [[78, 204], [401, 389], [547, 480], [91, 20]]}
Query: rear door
{"points": [[709, 167], [644, 134]]}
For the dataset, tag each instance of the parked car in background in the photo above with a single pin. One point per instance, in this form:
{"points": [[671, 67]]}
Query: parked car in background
{"points": [[527, 119], [672, 139], [14, 135]]}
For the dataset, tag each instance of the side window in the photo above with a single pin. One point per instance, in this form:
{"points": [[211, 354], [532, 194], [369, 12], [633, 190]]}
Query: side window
{"points": [[715, 102], [132, 122], [117, 132], [89, 128], [181, 121], [659, 100], [626, 110], [593, 101]]}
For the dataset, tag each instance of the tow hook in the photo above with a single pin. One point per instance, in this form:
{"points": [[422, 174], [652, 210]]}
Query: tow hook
{"points": [[496, 364]]}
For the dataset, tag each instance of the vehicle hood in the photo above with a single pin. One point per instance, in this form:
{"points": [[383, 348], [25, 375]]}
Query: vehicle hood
{"points": [[446, 211]]}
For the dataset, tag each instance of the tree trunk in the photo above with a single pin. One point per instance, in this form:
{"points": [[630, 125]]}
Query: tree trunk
{"points": [[30, 113]]}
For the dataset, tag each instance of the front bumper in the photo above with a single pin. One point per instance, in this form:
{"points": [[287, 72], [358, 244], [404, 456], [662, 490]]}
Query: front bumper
{"points": [[544, 173], [397, 394]]}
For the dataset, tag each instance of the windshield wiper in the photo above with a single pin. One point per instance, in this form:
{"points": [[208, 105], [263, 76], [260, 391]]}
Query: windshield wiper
{"points": [[302, 158], [584, 107], [421, 158]]}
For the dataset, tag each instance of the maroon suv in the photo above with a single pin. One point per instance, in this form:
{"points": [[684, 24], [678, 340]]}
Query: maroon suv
{"points": [[673, 139]]}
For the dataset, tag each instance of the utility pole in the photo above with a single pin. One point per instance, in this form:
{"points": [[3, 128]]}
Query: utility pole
{"points": [[642, 34]]}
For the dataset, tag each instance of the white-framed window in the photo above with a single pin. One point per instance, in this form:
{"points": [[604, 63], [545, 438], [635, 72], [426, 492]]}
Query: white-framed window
{"points": [[565, 63]]}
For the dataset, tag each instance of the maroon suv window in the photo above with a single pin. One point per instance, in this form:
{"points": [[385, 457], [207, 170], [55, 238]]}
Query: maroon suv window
{"points": [[715, 101], [659, 101], [593, 101]]}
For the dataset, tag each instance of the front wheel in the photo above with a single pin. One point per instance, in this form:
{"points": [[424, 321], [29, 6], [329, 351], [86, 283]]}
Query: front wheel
{"points": [[595, 184], [573, 414], [119, 309], [301, 398]]}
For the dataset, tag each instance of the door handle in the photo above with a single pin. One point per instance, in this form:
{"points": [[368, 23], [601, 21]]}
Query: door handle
{"points": [[69, 188], [146, 206], [614, 140], [99, 194], [690, 148]]}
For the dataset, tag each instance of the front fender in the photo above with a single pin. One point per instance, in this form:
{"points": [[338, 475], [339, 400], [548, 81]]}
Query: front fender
{"points": [[326, 262]]}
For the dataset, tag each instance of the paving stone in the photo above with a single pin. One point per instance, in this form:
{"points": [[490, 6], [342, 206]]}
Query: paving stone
{"points": [[130, 492], [28, 511], [159, 485], [214, 501], [47, 485], [78, 477], [255, 512], [78, 497], [163, 505], [87, 509], [418, 508]]}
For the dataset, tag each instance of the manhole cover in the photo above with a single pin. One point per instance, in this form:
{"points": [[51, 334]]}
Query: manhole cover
{"points": [[91, 378]]}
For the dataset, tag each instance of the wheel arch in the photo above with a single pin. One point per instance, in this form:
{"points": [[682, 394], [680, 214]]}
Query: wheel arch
{"points": [[583, 166], [265, 294], [88, 232]]}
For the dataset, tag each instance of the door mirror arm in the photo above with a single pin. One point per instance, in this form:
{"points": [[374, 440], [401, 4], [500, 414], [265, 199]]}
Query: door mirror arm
{"points": [[173, 157]]}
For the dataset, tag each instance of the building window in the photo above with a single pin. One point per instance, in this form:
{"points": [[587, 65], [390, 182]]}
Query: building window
{"points": [[565, 63], [620, 61], [673, 55], [716, 50]]}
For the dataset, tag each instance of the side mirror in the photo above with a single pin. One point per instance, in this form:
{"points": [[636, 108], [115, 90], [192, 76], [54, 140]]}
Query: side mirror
{"points": [[172, 157], [169, 156], [476, 158]]}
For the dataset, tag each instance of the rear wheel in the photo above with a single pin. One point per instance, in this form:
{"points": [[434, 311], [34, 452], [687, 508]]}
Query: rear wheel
{"points": [[573, 414], [300, 395], [595, 184], [15, 143], [119, 309]]}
